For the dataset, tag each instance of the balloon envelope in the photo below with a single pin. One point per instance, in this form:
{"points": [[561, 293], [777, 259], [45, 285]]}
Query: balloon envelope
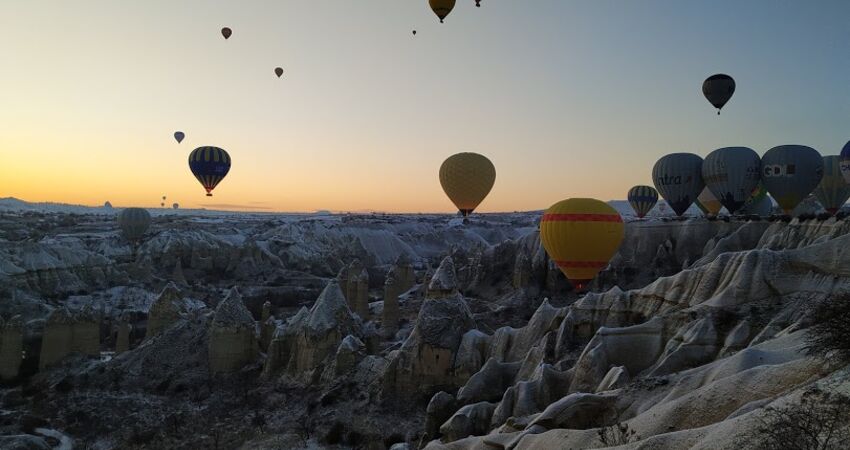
{"points": [[134, 222], [175, 206], [226, 32], [678, 178], [581, 235], [845, 161], [732, 173], [833, 191], [278, 71], [642, 199], [442, 8], [708, 203], [790, 173], [178, 136], [209, 165], [467, 179], [718, 89]]}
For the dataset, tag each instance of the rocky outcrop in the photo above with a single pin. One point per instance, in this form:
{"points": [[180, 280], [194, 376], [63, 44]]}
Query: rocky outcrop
{"points": [[164, 311], [444, 281], [232, 340], [354, 281], [57, 339], [303, 344], [122, 337], [11, 347], [426, 361], [392, 290]]}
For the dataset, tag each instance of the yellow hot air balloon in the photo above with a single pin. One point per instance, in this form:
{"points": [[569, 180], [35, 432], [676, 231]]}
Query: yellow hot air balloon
{"points": [[581, 235], [467, 178], [442, 8]]}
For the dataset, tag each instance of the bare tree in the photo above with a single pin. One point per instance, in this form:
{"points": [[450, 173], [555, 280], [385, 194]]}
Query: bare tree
{"points": [[617, 434], [830, 333], [820, 421]]}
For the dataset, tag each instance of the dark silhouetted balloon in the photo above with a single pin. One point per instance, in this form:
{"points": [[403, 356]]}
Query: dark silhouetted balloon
{"points": [[176, 206], [790, 173], [642, 199], [732, 173], [442, 8], [278, 71], [209, 165], [226, 32], [414, 32], [178, 136], [134, 222], [478, 3], [845, 162], [718, 89], [678, 178]]}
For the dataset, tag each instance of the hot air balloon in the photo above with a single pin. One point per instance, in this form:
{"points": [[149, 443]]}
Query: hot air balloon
{"points": [[581, 235], [175, 206], [134, 222], [833, 191], [226, 32], [178, 136], [442, 8], [209, 165], [718, 89], [708, 203], [642, 199], [732, 173], [467, 179], [414, 32], [162, 205], [478, 3], [790, 173], [755, 204], [845, 161], [678, 178], [278, 71]]}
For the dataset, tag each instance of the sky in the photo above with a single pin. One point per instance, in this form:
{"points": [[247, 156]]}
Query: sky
{"points": [[567, 98]]}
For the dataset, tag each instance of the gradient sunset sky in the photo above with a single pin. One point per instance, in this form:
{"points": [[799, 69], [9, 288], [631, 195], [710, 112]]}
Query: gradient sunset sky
{"points": [[567, 98]]}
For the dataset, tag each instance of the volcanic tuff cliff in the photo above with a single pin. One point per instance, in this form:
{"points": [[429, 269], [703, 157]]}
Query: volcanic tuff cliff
{"points": [[694, 328]]}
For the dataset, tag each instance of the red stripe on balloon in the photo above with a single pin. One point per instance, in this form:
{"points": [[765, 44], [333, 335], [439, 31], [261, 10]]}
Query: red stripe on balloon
{"points": [[551, 217], [581, 264]]}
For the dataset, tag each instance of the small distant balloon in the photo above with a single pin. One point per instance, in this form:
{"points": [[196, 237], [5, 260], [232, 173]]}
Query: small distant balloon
{"points": [[226, 32], [176, 206], [163, 198], [414, 32], [179, 136], [162, 205], [478, 3], [718, 89], [278, 71]]}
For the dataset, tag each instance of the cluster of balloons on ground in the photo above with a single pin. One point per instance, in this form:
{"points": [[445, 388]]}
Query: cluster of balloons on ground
{"points": [[739, 180]]}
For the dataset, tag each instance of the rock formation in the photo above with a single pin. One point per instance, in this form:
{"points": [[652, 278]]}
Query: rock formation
{"points": [[164, 311], [58, 338], [392, 288], [444, 282], [11, 347], [305, 341], [232, 341], [122, 337]]}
